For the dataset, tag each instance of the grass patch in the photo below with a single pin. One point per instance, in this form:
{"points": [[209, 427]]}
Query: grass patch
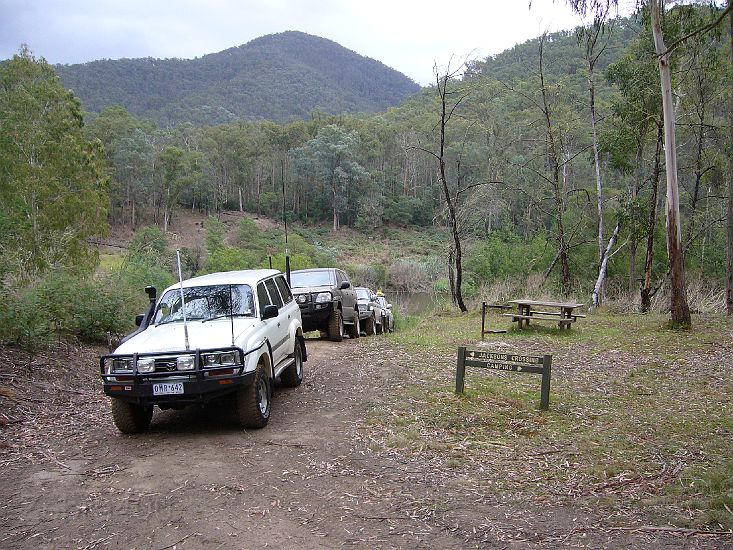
{"points": [[638, 413]]}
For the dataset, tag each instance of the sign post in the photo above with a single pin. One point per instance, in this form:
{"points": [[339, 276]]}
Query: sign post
{"points": [[513, 362]]}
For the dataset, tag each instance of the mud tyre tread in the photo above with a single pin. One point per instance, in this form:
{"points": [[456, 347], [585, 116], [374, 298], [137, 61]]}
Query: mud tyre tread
{"points": [[293, 375], [248, 401], [370, 326], [130, 418], [336, 326], [354, 329]]}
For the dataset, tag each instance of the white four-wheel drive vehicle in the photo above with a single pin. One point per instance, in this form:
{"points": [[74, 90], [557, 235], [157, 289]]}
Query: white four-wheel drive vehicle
{"points": [[225, 333]]}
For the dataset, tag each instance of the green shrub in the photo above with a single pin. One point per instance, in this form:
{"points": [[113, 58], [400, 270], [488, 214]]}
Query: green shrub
{"points": [[149, 244], [24, 321]]}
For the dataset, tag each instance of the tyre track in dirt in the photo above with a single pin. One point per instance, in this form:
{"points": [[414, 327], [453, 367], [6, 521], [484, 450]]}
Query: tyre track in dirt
{"points": [[309, 480], [198, 480]]}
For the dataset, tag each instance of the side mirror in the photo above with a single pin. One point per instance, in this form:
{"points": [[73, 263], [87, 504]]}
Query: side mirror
{"points": [[139, 318], [345, 285], [270, 312]]}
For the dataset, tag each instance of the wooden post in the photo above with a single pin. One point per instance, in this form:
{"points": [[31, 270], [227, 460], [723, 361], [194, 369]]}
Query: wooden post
{"points": [[460, 369], [483, 319], [545, 391]]}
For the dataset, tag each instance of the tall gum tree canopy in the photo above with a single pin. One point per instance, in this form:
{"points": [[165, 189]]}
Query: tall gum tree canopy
{"points": [[679, 307], [330, 159], [53, 187]]}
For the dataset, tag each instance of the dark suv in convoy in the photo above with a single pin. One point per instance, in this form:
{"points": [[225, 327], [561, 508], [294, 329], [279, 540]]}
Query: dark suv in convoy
{"points": [[327, 301]]}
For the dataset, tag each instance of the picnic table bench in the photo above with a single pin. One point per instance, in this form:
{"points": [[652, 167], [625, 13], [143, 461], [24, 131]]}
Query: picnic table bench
{"points": [[561, 312]]}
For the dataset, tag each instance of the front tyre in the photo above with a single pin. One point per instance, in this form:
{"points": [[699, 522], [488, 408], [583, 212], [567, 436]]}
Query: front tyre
{"points": [[370, 326], [253, 402], [355, 328], [131, 418], [336, 326], [293, 375]]}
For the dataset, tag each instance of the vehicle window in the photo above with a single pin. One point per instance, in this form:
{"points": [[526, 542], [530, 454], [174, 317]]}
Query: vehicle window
{"points": [[344, 276], [262, 298], [274, 294], [282, 286], [205, 302], [363, 293], [310, 278]]}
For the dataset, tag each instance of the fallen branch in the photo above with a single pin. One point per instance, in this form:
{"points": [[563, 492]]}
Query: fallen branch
{"points": [[672, 530]]}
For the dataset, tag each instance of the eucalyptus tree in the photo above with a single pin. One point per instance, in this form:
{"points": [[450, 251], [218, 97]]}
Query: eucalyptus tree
{"points": [[53, 182], [680, 309], [330, 160]]}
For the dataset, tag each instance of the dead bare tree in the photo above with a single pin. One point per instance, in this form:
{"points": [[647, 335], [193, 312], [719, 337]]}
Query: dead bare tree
{"points": [[554, 165], [647, 293], [450, 97], [589, 36]]}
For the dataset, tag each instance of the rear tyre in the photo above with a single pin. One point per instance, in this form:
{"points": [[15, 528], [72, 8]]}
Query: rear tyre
{"points": [[355, 328], [253, 402], [336, 326], [293, 375], [380, 326], [369, 326], [131, 418]]}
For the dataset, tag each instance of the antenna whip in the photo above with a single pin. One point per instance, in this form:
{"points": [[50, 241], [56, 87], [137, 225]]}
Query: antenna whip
{"points": [[183, 300]]}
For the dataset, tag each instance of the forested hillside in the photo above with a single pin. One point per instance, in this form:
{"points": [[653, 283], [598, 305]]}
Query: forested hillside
{"points": [[544, 191], [275, 77]]}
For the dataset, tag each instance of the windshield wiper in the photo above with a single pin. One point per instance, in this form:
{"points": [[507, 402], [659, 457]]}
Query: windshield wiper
{"points": [[226, 315], [177, 320]]}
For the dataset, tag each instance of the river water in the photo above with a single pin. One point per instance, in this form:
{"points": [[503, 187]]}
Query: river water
{"points": [[416, 303]]}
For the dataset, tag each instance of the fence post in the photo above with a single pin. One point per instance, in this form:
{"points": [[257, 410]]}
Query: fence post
{"points": [[545, 393], [483, 319], [460, 369]]}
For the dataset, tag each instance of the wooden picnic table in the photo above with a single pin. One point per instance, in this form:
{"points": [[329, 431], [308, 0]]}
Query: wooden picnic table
{"points": [[536, 310]]}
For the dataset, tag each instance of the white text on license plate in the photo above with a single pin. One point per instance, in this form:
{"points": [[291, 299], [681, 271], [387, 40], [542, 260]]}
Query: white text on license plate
{"points": [[166, 388]]}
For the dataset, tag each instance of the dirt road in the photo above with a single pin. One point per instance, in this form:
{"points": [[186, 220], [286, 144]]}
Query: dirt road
{"points": [[311, 479]]}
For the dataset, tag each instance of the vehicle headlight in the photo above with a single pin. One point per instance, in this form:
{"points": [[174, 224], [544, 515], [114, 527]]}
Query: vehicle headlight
{"points": [[301, 298], [185, 362], [229, 358], [118, 365], [323, 297], [210, 360], [146, 365], [219, 359]]}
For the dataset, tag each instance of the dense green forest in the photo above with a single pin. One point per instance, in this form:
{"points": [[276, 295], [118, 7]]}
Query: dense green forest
{"points": [[276, 77], [517, 150]]}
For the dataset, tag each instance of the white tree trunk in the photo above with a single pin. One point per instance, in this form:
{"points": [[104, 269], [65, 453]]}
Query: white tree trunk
{"points": [[679, 308], [596, 295]]}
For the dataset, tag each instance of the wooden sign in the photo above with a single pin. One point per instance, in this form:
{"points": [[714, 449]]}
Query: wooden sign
{"points": [[512, 362]]}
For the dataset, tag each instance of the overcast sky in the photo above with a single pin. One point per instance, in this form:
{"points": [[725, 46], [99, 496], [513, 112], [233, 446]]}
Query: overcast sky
{"points": [[407, 35]]}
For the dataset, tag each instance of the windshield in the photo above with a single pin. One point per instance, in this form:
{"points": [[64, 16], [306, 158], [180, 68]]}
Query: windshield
{"points": [[310, 278], [205, 302], [363, 293]]}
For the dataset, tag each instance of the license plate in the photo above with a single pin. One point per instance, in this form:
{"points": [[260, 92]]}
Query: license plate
{"points": [[167, 388]]}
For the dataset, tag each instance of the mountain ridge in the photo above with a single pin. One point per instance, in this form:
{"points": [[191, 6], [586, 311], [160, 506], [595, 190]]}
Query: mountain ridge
{"points": [[278, 77]]}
